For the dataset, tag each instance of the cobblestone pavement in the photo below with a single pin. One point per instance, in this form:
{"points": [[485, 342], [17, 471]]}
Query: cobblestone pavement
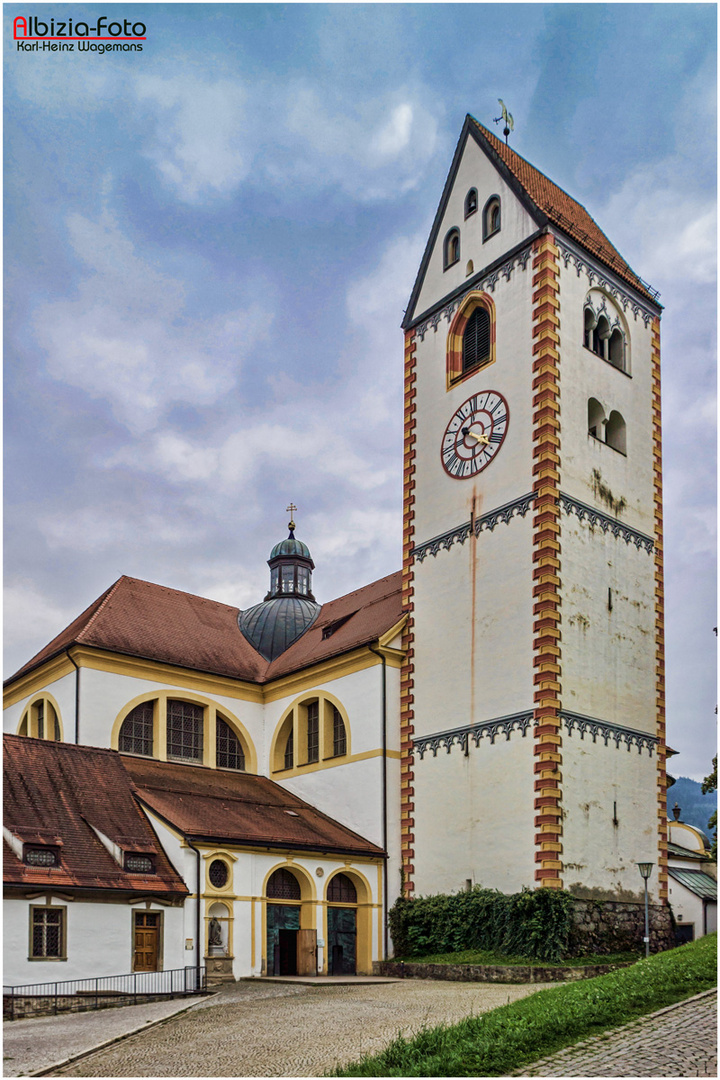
{"points": [[290, 1030], [678, 1041]]}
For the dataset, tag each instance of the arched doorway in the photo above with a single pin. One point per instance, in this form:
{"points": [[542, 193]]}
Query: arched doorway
{"points": [[342, 926], [283, 922]]}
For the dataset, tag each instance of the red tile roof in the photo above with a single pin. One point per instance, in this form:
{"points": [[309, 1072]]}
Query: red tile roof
{"points": [[137, 618], [561, 208], [220, 806], [58, 793]]}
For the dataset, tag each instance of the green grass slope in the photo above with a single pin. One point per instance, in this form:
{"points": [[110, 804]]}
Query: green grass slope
{"points": [[500, 1041]]}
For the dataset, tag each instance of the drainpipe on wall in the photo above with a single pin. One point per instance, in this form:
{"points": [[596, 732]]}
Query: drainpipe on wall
{"points": [[77, 695], [384, 799], [197, 911]]}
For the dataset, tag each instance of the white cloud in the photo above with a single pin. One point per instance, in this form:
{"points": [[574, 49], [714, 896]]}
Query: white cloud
{"points": [[126, 337], [33, 616], [200, 142]]}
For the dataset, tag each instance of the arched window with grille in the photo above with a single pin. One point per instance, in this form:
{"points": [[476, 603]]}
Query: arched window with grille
{"points": [[451, 248], [339, 734], [228, 748], [283, 885], [341, 890], [136, 733], [184, 730]]}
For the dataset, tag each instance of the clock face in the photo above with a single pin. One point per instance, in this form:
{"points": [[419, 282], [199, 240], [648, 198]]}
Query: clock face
{"points": [[475, 434]]}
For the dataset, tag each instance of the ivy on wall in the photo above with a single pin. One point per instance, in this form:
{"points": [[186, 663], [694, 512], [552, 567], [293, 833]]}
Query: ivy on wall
{"points": [[535, 924]]}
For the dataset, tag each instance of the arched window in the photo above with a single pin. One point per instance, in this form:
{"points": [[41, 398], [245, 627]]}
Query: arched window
{"points": [[289, 755], [615, 432], [339, 736], [596, 419], [312, 730], [616, 349], [470, 268], [605, 331], [228, 750], [341, 890], [491, 217], [451, 248], [476, 340], [471, 202], [41, 720], [283, 885], [136, 733], [184, 730]]}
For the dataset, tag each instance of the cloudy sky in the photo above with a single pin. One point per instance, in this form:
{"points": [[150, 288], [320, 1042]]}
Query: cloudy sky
{"points": [[209, 247]]}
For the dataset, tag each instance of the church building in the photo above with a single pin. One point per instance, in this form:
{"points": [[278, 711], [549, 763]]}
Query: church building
{"points": [[188, 784]]}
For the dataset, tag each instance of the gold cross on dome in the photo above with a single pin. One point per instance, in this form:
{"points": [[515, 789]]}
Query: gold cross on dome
{"points": [[291, 510]]}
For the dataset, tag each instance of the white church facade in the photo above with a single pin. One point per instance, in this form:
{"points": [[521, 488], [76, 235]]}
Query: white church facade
{"points": [[492, 714]]}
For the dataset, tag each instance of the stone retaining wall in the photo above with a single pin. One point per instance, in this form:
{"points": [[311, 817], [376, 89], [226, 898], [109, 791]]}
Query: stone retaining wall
{"points": [[489, 973], [601, 927]]}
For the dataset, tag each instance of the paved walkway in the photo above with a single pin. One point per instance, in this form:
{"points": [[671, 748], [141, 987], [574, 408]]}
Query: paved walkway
{"points": [[678, 1041], [264, 1029]]}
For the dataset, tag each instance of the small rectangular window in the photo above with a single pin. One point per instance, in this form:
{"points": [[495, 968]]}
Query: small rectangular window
{"points": [[47, 938], [313, 732]]}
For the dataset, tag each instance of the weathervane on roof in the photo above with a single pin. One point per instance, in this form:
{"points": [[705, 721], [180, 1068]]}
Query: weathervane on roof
{"points": [[291, 510], [507, 117]]}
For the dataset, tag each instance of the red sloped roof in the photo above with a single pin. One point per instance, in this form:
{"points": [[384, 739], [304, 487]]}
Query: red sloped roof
{"points": [[369, 612], [55, 793], [561, 209], [224, 806], [137, 618]]}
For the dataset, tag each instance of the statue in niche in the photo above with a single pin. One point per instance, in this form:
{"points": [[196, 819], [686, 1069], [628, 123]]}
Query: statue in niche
{"points": [[215, 932]]}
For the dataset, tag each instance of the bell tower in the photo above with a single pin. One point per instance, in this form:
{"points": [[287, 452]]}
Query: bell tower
{"points": [[533, 694]]}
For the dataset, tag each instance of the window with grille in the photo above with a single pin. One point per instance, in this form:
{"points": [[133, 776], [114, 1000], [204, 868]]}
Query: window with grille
{"points": [[313, 731], [48, 926], [229, 751], [341, 890], [476, 340], [139, 864], [283, 885], [218, 873], [41, 856], [184, 730], [136, 733], [289, 751], [339, 736]]}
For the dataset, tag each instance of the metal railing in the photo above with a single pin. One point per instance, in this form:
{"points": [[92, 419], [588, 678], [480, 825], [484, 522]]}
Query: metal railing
{"points": [[79, 995]]}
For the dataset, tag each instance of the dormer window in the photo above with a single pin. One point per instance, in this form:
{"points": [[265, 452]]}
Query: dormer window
{"points": [[41, 855], [471, 202], [136, 863]]}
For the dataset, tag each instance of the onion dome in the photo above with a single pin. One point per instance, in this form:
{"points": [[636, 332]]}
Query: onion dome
{"points": [[289, 608]]}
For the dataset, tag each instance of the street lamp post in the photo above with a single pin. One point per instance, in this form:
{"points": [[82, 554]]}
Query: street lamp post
{"points": [[645, 869]]}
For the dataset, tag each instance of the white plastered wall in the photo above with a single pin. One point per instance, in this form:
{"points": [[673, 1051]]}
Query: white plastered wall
{"points": [[99, 940], [474, 817], [475, 170], [62, 690]]}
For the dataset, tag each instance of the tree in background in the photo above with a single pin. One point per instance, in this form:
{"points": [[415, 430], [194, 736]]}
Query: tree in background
{"points": [[710, 784]]}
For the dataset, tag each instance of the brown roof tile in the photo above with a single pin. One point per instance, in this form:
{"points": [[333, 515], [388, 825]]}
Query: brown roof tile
{"points": [[562, 209], [137, 618], [58, 793], [232, 807]]}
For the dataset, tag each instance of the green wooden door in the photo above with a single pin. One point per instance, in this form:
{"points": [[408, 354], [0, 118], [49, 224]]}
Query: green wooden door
{"points": [[342, 940], [280, 917]]}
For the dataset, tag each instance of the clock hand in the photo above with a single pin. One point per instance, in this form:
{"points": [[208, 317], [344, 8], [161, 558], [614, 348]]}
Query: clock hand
{"points": [[480, 438]]}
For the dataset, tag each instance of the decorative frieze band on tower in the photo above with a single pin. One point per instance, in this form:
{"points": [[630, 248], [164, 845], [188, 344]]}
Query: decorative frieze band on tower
{"points": [[546, 563], [407, 792], [659, 616]]}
